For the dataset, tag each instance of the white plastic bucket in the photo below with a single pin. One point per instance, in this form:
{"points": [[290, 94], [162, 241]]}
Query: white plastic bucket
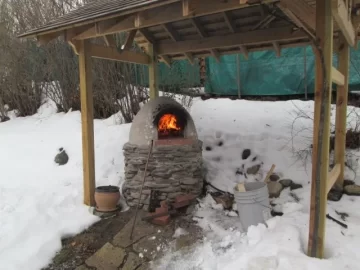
{"points": [[253, 205]]}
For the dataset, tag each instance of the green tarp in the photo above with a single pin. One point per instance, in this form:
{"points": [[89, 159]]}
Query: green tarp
{"points": [[266, 74]]}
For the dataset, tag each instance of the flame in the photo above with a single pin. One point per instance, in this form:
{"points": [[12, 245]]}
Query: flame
{"points": [[168, 122]]}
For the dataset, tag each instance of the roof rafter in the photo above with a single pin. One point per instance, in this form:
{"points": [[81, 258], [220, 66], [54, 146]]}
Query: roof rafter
{"points": [[248, 38]]}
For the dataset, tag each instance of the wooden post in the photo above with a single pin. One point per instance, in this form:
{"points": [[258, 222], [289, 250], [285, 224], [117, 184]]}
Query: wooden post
{"points": [[341, 110], [324, 33], [87, 121], [154, 90]]}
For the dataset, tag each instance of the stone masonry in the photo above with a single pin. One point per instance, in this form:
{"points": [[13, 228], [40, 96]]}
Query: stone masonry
{"points": [[172, 170]]}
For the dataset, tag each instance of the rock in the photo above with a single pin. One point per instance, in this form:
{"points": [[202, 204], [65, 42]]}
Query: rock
{"points": [[286, 182], [152, 248], [189, 181], [274, 177], [82, 267], [143, 229], [246, 153], [353, 190], [225, 200], [348, 183], [208, 148], [108, 257], [254, 169], [334, 195], [4, 119], [132, 262], [275, 189], [62, 157], [144, 266], [294, 186]]}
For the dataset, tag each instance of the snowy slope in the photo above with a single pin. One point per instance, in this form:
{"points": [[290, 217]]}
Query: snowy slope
{"points": [[41, 202]]}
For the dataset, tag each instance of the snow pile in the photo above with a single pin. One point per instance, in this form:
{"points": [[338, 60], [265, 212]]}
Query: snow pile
{"points": [[41, 202]]}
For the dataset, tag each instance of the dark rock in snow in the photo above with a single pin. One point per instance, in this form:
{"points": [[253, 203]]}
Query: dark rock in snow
{"points": [[62, 158], [294, 186], [286, 182], [253, 169], [220, 143], [254, 159], [275, 189], [274, 177], [246, 153], [334, 195], [348, 182], [4, 119], [208, 148]]}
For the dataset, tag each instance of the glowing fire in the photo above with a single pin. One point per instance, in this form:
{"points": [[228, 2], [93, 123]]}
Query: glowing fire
{"points": [[168, 123]]}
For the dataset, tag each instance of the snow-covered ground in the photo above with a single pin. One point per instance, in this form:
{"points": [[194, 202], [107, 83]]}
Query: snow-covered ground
{"points": [[41, 202]]}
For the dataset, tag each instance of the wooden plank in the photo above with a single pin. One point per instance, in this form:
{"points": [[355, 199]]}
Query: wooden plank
{"points": [[302, 10], [110, 41], [333, 176], [244, 51], [171, 32], [341, 109], [321, 139], [229, 22], [277, 49], [166, 59], [146, 34], [87, 122], [189, 57], [165, 14], [340, 14], [216, 55], [237, 39], [111, 53], [153, 69], [129, 40], [337, 77]]}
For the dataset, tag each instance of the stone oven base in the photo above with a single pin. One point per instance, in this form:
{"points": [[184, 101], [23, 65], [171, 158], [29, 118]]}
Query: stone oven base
{"points": [[173, 169]]}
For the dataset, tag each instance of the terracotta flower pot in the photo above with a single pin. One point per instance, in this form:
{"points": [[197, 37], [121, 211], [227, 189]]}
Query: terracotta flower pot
{"points": [[106, 198]]}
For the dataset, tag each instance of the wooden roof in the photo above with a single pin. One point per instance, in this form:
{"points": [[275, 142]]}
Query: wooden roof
{"points": [[190, 28]]}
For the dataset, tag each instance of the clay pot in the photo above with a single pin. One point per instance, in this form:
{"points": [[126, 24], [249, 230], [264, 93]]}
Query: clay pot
{"points": [[106, 198]]}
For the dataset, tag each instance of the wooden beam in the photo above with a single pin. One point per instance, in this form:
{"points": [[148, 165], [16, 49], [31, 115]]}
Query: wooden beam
{"points": [[75, 44], [296, 20], [87, 122], [186, 8], [333, 176], [171, 32], [302, 10], [238, 39], [111, 53], [199, 28], [216, 55], [321, 138], [153, 69], [277, 49], [146, 34], [264, 22], [109, 41], [229, 22], [129, 40], [244, 51], [239, 51], [341, 110], [45, 39], [164, 14], [189, 57], [340, 14], [166, 59], [337, 77]]}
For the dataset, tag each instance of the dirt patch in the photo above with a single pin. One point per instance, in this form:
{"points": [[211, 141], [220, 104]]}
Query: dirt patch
{"points": [[75, 250]]}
